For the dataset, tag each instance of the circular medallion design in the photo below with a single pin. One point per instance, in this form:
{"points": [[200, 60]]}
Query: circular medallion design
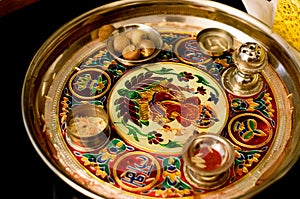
{"points": [[89, 83], [157, 106], [136, 171], [250, 130], [188, 51]]}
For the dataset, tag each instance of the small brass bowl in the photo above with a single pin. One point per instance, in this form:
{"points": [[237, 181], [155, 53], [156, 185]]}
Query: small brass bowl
{"points": [[207, 158], [152, 35], [214, 41], [87, 127]]}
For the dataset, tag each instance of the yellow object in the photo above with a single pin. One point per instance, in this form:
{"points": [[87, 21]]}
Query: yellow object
{"points": [[287, 21]]}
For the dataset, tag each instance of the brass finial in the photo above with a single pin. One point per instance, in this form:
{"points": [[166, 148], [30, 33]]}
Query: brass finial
{"points": [[244, 79]]}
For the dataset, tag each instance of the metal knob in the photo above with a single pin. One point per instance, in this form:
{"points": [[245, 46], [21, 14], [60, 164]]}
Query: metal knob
{"points": [[207, 160], [244, 78]]}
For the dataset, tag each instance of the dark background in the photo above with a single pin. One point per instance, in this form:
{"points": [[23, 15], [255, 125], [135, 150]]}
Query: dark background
{"points": [[23, 173]]}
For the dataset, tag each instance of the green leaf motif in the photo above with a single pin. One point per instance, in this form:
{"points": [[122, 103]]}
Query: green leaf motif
{"points": [[165, 70], [133, 95], [93, 91], [132, 132], [99, 103], [104, 82], [202, 80], [122, 92], [248, 135], [145, 122], [172, 144], [252, 124]]}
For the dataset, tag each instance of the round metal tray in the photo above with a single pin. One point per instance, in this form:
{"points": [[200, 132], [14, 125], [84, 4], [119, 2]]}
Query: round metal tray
{"points": [[74, 49]]}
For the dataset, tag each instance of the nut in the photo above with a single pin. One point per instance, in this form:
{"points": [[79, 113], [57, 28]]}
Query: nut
{"points": [[136, 35], [147, 47], [120, 42], [131, 52], [104, 31]]}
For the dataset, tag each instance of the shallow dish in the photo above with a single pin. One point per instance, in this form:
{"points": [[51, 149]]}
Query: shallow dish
{"points": [[136, 41], [214, 41]]}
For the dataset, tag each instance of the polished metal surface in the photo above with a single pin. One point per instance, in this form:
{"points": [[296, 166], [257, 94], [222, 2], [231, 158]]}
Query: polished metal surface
{"points": [[58, 56], [244, 79], [214, 41], [208, 158]]}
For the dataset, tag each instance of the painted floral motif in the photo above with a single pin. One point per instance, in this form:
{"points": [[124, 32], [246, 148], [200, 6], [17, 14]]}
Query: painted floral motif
{"points": [[244, 159], [247, 129], [262, 103], [116, 69], [102, 58], [172, 184], [188, 51], [89, 83], [250, 130], [99, 162]]}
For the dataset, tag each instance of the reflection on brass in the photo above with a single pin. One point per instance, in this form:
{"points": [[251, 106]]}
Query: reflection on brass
{"points": [[207, 182]]}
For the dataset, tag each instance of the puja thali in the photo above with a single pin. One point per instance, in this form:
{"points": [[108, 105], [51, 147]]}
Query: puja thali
{"points": [[174, 100]]}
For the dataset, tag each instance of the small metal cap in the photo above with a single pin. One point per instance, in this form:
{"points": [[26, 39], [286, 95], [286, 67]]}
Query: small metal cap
{"points": [[244, 79], [250, 58]]}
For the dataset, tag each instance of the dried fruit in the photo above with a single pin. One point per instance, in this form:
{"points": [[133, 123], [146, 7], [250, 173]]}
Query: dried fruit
{"points": [[104, 31], [131, 52], [120, 42], [136, 35], [147, 47]]}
